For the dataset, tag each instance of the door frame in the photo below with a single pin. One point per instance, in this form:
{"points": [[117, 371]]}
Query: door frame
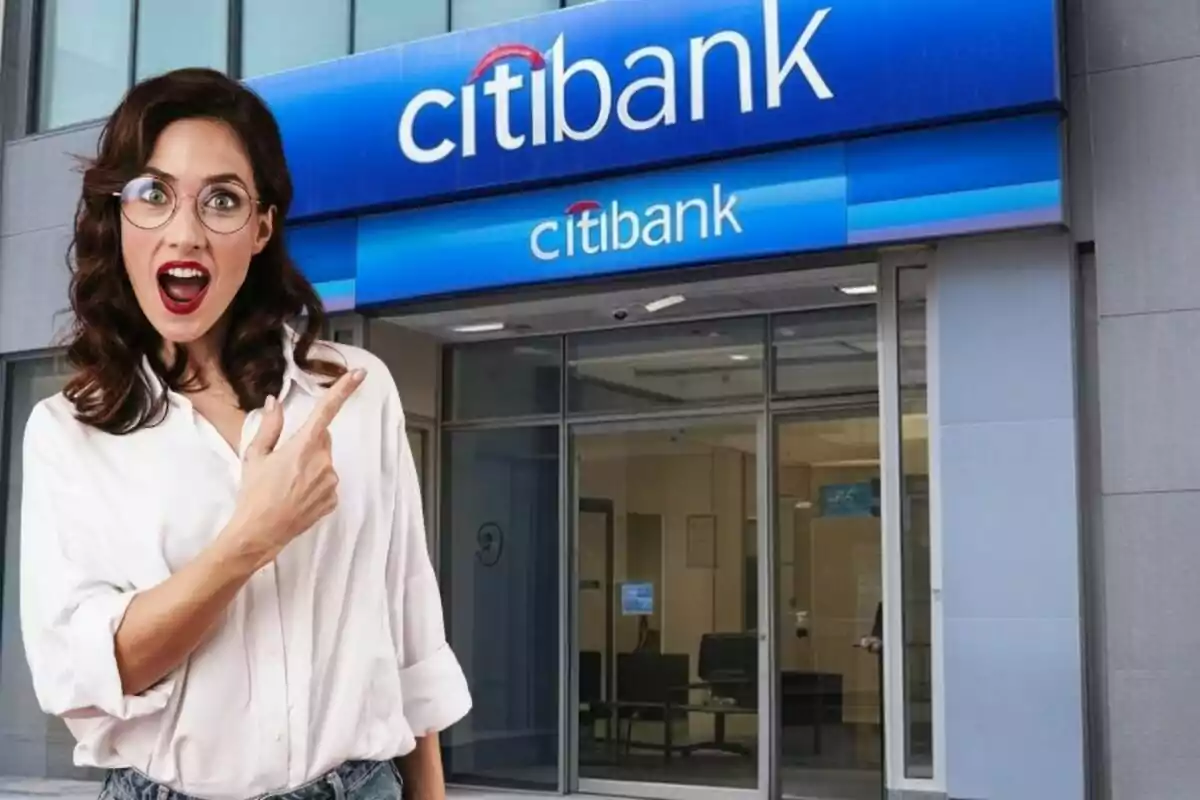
{"points": [[892, 472], [605, 506], [778, 418]]}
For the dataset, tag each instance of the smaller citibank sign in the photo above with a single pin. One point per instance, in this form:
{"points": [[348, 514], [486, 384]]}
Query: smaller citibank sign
{"points": [[623, 84], [590, 228], [943, 181]]}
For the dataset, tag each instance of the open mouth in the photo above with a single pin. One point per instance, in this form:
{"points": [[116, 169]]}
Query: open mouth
{"points": [[182, 286]]}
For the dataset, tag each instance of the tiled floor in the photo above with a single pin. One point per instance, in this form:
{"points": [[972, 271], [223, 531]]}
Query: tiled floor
{"points": [[39, 789]]}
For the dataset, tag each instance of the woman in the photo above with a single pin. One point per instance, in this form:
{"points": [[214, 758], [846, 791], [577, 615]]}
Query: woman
{"points": [[226, 591]]}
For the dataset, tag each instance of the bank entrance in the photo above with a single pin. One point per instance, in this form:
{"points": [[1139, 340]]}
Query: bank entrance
{"points": [[675, 547]]}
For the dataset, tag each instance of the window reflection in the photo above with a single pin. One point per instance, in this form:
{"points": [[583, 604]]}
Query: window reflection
{"points": [[477, 13], [915, 526], [317, 30], [382, 23], [31, 741], [85, 51], [174, 35], [500, 580], [667, 366], [826, 352], [494, 380]]}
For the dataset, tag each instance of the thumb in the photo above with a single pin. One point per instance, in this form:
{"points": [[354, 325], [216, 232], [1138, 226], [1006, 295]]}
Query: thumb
{"points": [[268, 432]]}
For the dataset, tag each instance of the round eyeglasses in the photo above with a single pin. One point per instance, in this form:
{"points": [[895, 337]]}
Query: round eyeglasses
{"points": [[149, 202]]}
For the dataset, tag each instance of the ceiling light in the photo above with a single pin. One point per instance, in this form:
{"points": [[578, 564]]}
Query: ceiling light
{"points": [[665, 302], [482, 327], [861, 289], [739, 357]]}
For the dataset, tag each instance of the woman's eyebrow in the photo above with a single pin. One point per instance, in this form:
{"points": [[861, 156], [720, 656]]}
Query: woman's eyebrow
{"points": [[225, 177], [222, 177]]}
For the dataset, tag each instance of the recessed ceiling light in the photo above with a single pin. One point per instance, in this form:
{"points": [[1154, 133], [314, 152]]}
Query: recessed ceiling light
{"points": [[861, 289], [739, 357], [665, 302], [482, 327]]}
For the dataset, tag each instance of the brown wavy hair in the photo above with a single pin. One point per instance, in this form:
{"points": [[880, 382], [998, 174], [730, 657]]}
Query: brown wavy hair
{"points": [[110, 336]]}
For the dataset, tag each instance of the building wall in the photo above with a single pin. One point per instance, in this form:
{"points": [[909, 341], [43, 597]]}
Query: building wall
{"points": [[1006, 491], [1135, 80], [40, 186]]}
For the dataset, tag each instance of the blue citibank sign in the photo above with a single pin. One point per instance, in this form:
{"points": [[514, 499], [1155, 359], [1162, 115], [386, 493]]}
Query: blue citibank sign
{"points": [[623, 87]]}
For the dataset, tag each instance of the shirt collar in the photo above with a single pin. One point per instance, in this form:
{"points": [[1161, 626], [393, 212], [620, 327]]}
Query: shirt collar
{"points": [[292, 374]]}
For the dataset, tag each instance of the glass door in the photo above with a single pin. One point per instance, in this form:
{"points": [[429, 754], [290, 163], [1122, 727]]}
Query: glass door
{"points": [[667, 646], [829, 604]]}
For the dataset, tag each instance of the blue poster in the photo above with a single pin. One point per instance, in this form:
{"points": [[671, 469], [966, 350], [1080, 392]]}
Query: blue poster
{"points": [[848, 500]]}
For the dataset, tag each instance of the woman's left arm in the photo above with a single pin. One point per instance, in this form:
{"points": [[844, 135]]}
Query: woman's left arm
{"points": [[435, 689]]}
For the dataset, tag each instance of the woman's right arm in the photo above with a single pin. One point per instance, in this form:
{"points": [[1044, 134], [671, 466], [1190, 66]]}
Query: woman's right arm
{"points": [[93, 648], [163, 625]]}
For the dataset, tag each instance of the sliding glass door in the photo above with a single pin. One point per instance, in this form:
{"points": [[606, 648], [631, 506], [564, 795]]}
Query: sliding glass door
{"points": [[830, 601], [666, 628]]}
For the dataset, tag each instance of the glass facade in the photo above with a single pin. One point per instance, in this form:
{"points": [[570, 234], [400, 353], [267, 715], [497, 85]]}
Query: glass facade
{"points": [[85, 57], [278, 35], [717, 361], [30, 742], [696, 483], [381, 23], [915, 524], [170, 36], [502, 380], [500, 572], [477, 13], [91, 50]]}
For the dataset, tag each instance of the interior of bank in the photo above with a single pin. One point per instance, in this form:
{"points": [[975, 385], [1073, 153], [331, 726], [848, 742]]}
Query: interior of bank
{"points": [[627, 489]]}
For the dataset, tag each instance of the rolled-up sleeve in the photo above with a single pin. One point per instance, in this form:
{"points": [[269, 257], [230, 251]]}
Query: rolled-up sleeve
{"points": [[70, 609], [435, 689]]}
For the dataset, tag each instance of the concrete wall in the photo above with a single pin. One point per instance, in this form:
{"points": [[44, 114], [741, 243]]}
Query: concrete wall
{"points": [[1006, 486], [1135, 77], [40, 187]]}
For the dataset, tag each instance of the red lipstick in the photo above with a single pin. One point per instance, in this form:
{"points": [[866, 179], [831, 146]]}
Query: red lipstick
{"points": [[182, 285]]}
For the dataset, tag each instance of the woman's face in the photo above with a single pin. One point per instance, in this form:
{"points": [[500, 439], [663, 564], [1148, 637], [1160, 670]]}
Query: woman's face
{"points": [[186, 266]]}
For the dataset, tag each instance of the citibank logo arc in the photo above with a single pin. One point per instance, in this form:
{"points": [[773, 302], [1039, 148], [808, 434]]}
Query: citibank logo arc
{"points": [[551, 73], [590, 229]]}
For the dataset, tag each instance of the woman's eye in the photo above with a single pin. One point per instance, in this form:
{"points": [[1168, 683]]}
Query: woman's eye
{"points": [[155, 195], [223, 201]]}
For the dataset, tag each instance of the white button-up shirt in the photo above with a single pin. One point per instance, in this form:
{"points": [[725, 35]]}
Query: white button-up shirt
{"points": [[336, 651]]}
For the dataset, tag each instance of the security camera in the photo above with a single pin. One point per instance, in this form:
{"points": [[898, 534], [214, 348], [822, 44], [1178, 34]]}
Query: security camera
{"points": [[620, 314]]}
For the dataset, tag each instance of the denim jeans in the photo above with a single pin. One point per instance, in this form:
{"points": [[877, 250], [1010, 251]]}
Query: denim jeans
{"points": [[354, 780]]}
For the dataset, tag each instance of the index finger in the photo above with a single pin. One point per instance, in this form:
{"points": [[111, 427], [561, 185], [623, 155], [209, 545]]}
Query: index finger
{"points": [[331, 403]]}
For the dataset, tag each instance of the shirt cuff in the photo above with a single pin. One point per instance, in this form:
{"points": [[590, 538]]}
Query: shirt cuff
{"points": [[435, 693], [98, 681]]}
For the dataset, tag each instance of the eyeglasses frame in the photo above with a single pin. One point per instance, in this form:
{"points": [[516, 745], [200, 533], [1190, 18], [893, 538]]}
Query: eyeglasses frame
{"points": [[256, 205]]}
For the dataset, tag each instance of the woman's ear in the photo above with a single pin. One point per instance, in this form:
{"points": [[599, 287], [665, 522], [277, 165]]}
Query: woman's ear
{"points": [[266, 227]]}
